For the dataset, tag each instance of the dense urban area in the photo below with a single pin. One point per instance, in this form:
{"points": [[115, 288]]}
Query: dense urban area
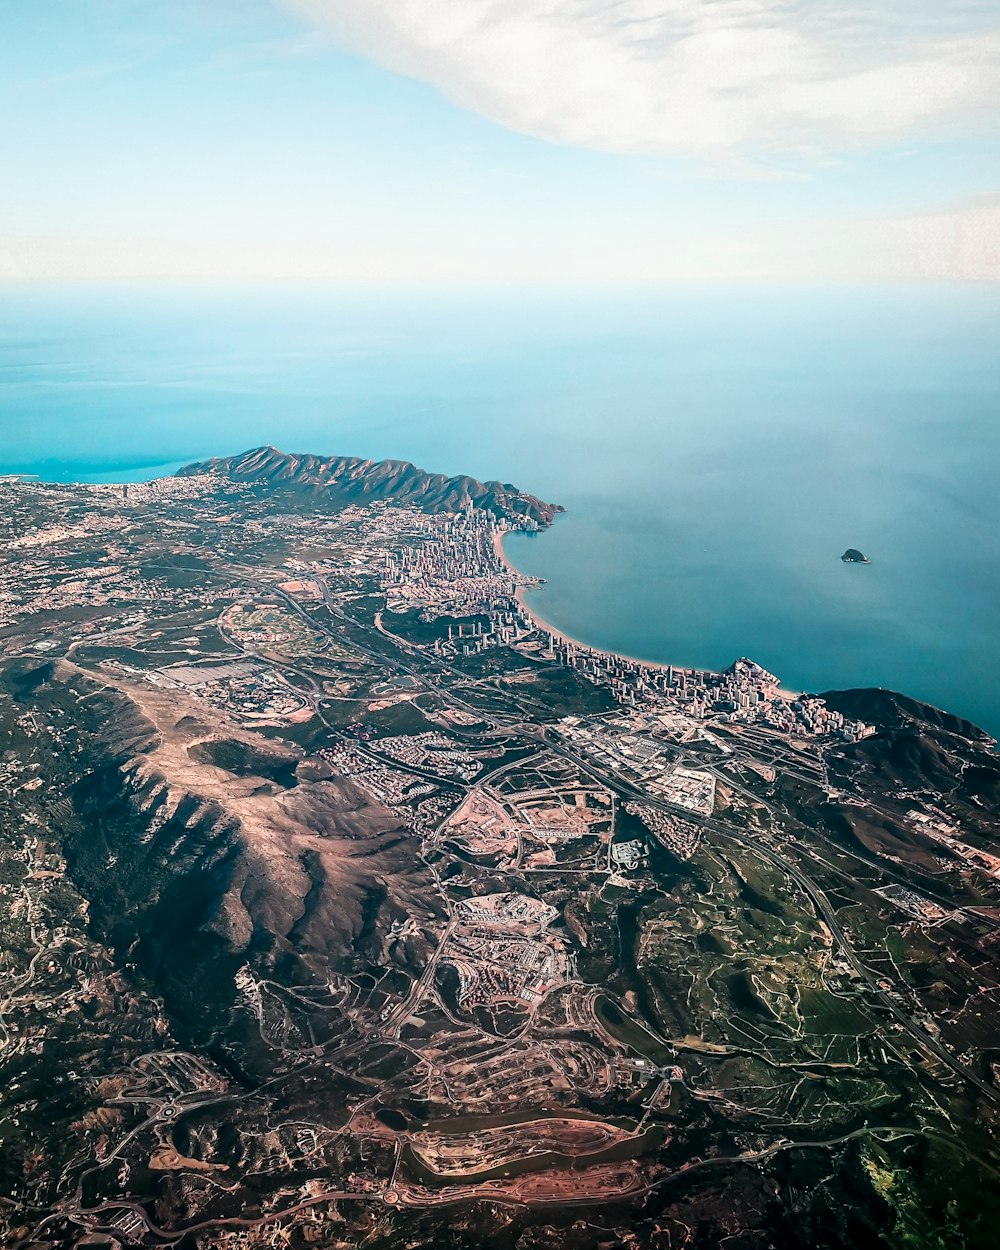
{"points": [[345, 903]]}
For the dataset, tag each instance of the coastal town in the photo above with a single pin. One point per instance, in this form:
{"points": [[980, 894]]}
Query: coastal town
{"points": [[462, 571]]}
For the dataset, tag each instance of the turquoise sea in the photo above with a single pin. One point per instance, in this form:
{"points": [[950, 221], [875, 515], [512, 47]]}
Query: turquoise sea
{"points": [[716, 448]]}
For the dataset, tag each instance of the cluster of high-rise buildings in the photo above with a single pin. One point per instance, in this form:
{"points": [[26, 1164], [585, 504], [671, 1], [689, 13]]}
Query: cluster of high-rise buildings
{"points": [[745, 693], [458, 570]]}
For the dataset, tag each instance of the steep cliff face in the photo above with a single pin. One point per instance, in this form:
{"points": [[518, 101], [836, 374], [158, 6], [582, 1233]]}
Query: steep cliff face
{"points": [[192, 870], [347, 479]]}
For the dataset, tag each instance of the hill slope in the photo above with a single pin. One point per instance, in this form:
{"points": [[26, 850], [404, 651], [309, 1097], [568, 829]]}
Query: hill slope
{"points": [[348, 479], [889, 710]]}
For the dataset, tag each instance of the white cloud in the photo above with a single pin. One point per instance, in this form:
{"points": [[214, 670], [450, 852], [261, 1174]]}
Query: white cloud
{"points": [[704, 76], [959, 243]]}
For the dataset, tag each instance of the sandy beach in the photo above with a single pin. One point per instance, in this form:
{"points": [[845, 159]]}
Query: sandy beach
{"points": [[540, 623]]}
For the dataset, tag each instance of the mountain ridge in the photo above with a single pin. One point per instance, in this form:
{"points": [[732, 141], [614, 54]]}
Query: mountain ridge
{"points": [[890, 710], [351, 479]]}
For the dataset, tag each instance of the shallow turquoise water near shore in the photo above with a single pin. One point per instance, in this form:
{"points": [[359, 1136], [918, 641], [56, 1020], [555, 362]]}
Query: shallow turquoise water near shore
{"points": [[716, 448]]}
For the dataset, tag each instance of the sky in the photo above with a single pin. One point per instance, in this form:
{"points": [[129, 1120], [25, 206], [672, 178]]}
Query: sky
{"points": [[513, 141]]}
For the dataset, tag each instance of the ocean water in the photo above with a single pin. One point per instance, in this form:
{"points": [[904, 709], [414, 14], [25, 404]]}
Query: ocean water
{"points": [[716, 448]]}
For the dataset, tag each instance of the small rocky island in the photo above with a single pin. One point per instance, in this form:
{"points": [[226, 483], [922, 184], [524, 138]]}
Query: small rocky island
{"points": [[853, 556]]}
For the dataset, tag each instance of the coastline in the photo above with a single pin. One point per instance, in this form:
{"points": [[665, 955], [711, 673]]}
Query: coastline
{"points": [[541, 623], [653, 665], [562, 636]]}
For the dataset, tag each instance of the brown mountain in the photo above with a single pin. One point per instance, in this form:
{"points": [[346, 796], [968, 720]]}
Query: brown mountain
{"points": [[348, 480], [194, 859]]}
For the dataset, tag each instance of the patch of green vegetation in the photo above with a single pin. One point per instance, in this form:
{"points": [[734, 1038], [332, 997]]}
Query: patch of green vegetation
{"points": [[628, 1030], [825, 1014], [398, 718], [554, 692], [744, 997], [409, 625], [755, 887], [914, 1225]]}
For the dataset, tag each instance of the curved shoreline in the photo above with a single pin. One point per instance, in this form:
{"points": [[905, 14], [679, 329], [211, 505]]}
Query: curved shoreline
{"points": [[541, 623], [560, 634]]}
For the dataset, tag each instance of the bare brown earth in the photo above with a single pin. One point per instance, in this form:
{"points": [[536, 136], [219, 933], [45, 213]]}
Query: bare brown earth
{"points": [[168, 1160], [309, 856], [303, 872]]}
